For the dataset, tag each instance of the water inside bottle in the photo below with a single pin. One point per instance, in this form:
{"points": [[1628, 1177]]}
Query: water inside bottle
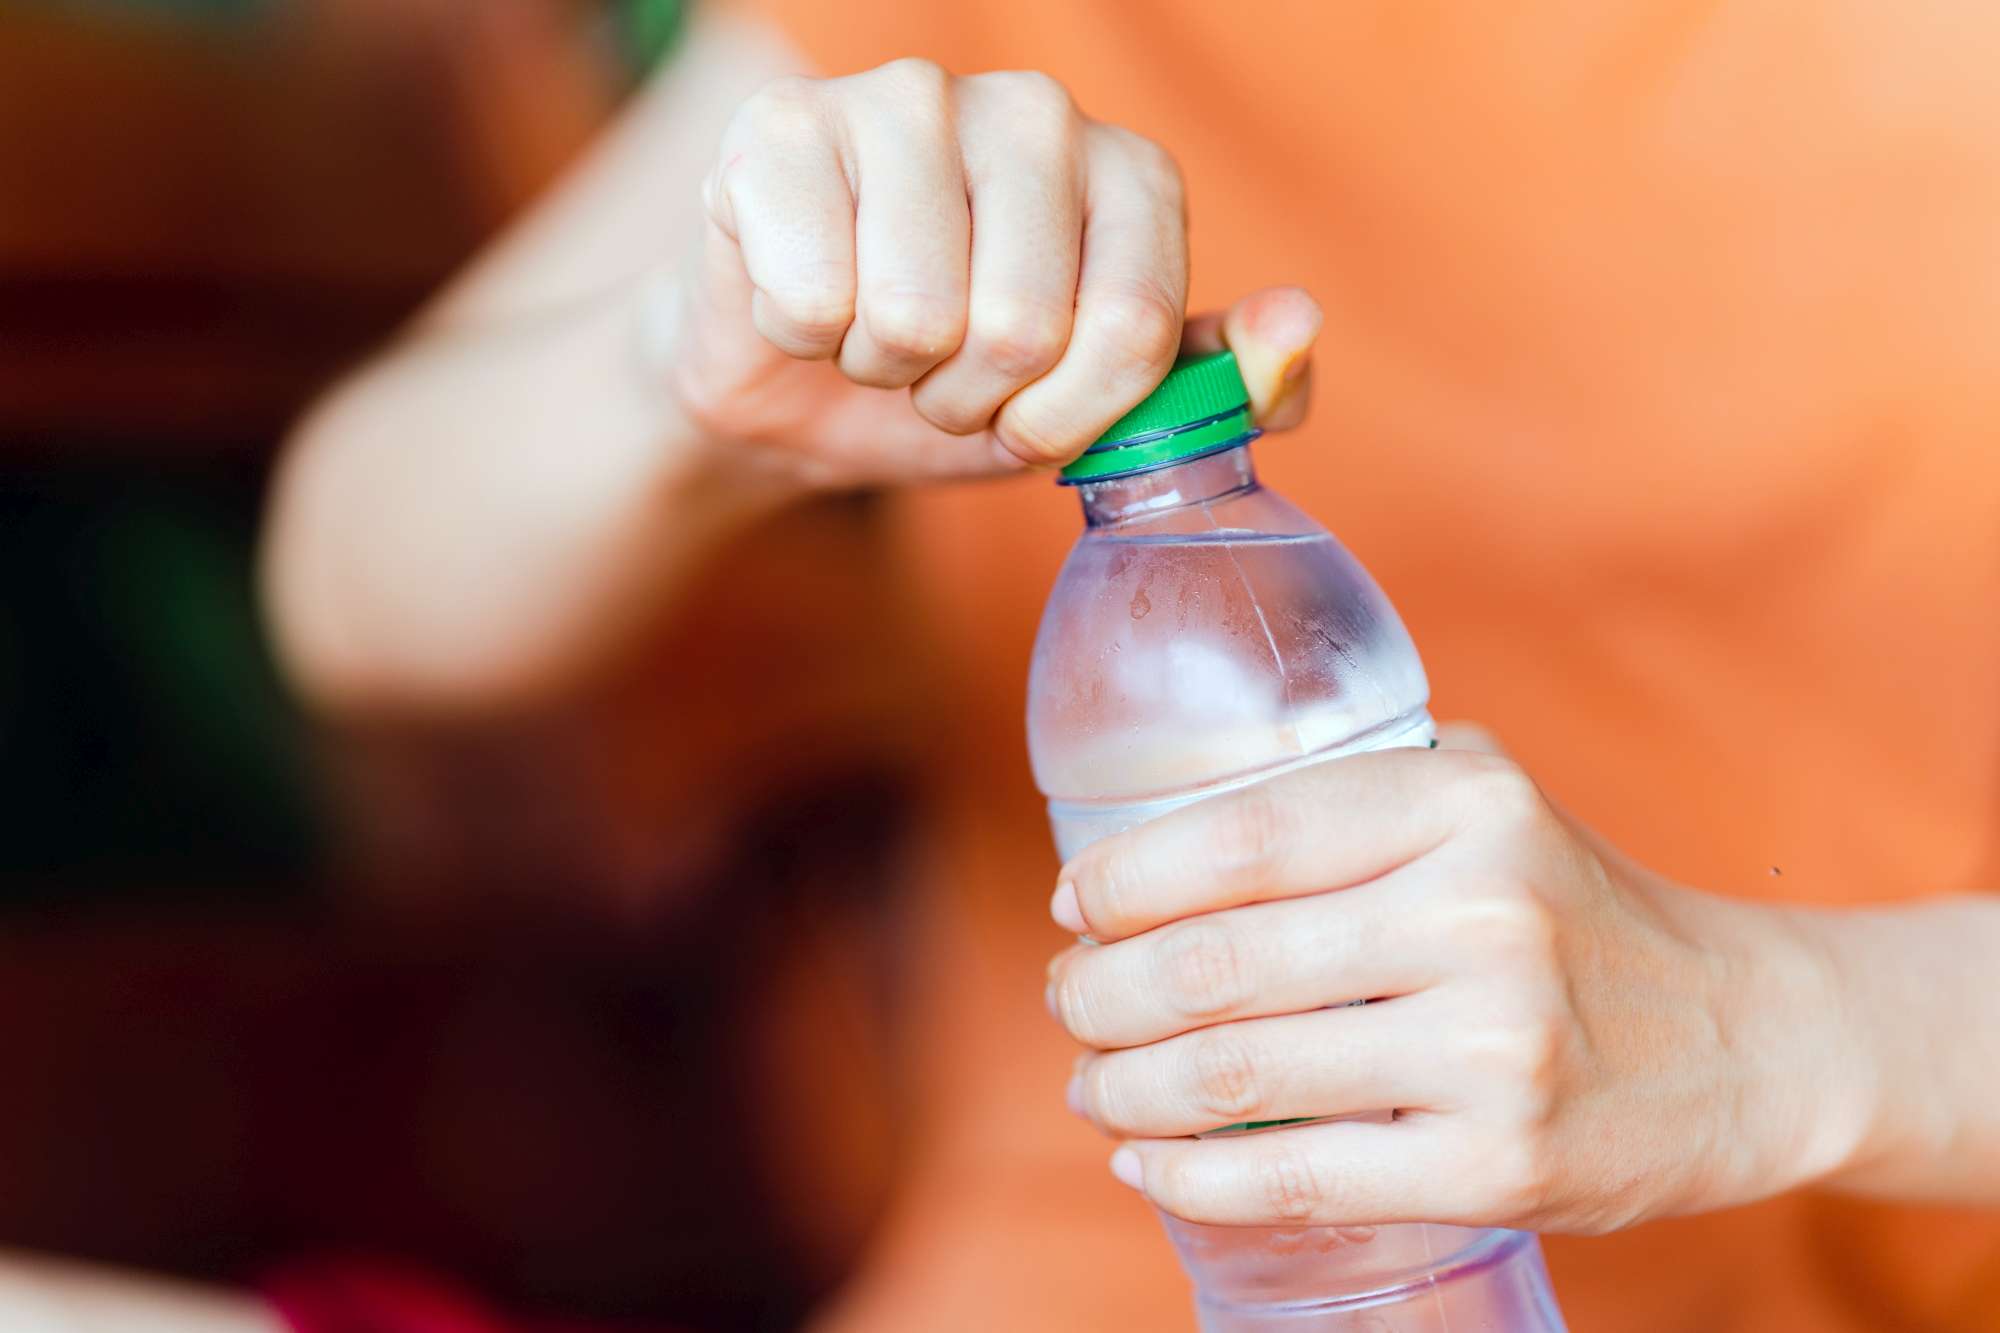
{"points": [[1213, 659], [1205, 635]]}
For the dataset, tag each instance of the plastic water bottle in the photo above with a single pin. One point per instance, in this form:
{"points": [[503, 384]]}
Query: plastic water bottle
{"points": [[1205, 635]]}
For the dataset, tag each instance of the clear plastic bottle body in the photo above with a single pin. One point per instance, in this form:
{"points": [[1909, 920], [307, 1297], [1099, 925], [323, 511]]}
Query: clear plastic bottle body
{"points": [[1203, 635]]}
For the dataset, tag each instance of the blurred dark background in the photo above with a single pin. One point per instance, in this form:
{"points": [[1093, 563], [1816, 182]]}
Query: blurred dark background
{"points": [[280, 989], [211, 207]]}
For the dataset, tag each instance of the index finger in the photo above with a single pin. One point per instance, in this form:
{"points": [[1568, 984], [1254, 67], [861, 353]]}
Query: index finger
{"points": [[1131, 297], [1329, 826]]}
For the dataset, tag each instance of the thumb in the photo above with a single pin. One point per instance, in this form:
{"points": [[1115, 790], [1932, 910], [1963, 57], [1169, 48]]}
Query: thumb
{"points": [[1469, 736], [1271, 331]]}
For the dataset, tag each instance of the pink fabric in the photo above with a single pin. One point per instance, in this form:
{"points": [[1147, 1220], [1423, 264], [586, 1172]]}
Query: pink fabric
{"points": [[376, 1296]]}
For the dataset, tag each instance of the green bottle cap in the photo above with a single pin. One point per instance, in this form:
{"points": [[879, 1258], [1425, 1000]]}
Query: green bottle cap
{"points": [[1201, 407]]}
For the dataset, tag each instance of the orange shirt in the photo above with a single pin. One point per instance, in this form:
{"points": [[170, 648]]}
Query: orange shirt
{"points": [[1660, 388]]}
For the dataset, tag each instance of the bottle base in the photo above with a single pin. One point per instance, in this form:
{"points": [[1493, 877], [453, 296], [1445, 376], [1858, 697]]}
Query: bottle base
{"points": [[1412, 1278]]}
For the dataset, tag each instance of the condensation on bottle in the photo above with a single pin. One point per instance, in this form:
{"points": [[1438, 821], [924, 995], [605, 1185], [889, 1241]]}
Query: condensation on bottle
{"points": [[1204, 635]]}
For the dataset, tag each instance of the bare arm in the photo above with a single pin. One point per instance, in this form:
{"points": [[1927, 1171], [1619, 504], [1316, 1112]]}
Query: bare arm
{"points": [[1555, 998], [40, 1295], [724, 306], [480, 509], [743, 295], [1917, 998]]}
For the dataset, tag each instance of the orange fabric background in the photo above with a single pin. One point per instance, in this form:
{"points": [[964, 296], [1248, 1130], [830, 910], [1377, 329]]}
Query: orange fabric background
{"points": [[1660, 389]]}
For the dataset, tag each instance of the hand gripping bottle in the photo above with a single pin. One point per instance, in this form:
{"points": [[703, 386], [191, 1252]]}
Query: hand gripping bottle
{"points": [[1205, 635]]}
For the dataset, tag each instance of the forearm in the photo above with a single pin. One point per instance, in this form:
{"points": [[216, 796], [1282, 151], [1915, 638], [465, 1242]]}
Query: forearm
{"points": [[481, 512], [1863, 1047], [479, 515], [46, 1296], [1918, 990]]}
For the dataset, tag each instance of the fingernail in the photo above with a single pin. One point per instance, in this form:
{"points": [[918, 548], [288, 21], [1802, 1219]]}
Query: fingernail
{"points": [[1073, 1094], [1125, 1166], [1294, 367], [1067, 911]]}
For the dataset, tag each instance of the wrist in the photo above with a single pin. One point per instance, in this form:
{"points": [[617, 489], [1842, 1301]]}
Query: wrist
{"points": [[1798, 1093], [1890, 1000], [731, 474], [1824, 1071], [735, 475]]}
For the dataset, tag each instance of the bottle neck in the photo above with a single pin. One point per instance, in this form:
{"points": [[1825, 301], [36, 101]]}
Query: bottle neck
{"points": [[1117, 500]]}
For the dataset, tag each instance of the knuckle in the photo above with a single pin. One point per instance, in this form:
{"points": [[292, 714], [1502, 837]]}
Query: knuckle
{"points": [[1175, 1184], [1511, 1180], [1076, 1007], [1289, 1183], [909, 326], [916, 71], [1104, 886], [912, 83], [1034, 444], [1142, 328], [815, 312], [1018, 337], [1162, 171], [1149, 161], [1499, 791], [1252, 830], [1028, 87], [1223, 1072], [1522, 1053], [1513, 928], [1037, 106], [782, 110], [948, 412], [1108, 1096], [1202, 971]]}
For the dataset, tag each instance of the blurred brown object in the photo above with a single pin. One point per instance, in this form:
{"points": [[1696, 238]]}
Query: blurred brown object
{"points": [[584, 972], [608, 1014], [793, 673], [203, 220], [546, 1112]]}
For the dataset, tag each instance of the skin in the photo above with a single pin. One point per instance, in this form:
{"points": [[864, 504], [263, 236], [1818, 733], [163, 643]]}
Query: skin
{"points": [[1569, 1041], [764, 285], [661, 354], [40, 1295], [761, 285]]}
